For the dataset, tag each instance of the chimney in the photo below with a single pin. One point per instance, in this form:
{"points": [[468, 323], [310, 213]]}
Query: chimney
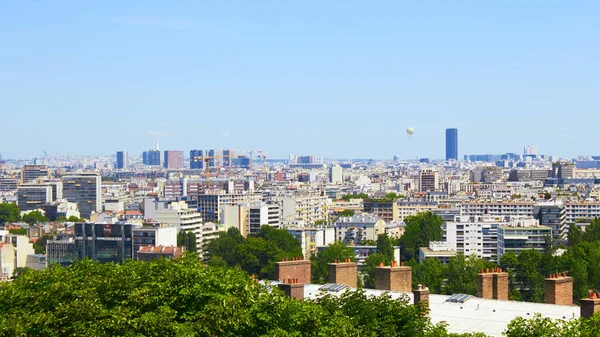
{"points": [[589, 306], [292, 288], [345, 272], [559, 289], [421, 295], [485, 284], [393, 278], [297, 268], [500, 285]]}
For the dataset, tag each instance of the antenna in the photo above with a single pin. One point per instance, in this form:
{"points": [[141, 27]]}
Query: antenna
{"points": [[157, 148]]}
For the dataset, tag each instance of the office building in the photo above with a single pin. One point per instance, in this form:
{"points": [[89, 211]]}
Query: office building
{"points": [[61, 252], [84, 189], [151, 157], [104, 242], [197, 159], [563, 170], [8, 184], [530, 150], [31, 173], [451, 144], [305, 160], [211, 205], [122, 160], [335, 174], [32, 197], [173, 159], [428, 180]]}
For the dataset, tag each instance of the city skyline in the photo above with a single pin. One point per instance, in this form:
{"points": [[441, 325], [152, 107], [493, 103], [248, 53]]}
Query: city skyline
{"points": [[331, 79]]}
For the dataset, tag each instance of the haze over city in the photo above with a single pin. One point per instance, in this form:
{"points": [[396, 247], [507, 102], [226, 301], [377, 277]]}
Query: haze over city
{"points": [[335, 79]]}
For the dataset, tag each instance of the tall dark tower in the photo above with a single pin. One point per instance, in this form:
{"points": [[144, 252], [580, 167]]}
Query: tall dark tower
{"points": [[451, 144]]}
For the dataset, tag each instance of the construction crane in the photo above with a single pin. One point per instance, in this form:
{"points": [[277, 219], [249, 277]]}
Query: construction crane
{"points": [[206, 160], [263, 156]]}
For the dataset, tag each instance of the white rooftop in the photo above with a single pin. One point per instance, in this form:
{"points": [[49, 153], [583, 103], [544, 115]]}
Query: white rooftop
{"points": [[490, 317]]}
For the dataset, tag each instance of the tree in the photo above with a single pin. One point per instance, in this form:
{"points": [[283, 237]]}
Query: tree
{"points": [[335, 251], [368, 272], [34, 217], [461, 274], [20, 271], [349, 197], [420, 230], [346, 212], [385, 248], [187, 239], [18, 231], [430, 273], [73, 218], [61, 218], [575, 235], [9, 213], [183, 298], [40, 244]]}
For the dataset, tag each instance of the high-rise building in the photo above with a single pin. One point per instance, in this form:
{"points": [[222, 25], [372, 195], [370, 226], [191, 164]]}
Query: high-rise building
{"points": [[196, 159], [305, 160], [151, 157], [84, 189], [32, 173], [122, 160], [530, 150], [451, 144], [173, 159], [32, 197], [428, 180], [335, 174], [104, 242]]}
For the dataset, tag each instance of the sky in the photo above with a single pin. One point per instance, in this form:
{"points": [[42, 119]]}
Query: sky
{"points": [[335, 79]]}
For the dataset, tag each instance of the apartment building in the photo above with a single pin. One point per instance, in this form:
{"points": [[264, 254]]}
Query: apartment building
{"points": [[211, 205], [387, 210], [356, 229], [183, 218], [499, 208], [522, 235], [84, 189]]}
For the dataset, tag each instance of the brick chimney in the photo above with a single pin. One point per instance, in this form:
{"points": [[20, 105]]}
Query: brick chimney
{"points": [[500, 290], [343, 272], [559, 289], [485, 284], [421, 295], [492, 284], [589, 306], [292, 288], [295, 268], [394, 277]]}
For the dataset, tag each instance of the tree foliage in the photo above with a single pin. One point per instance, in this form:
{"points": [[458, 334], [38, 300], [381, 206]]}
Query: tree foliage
{"points": [[187, 239], [337, 250], [40, 244], [185, 298], [18, 231], [34, 217], [255, 254], [346, 212], [349, 197], [420, 230], [9, 213]]}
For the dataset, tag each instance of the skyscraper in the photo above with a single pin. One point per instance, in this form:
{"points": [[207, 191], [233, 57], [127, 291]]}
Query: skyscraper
{"points": [[451, 144], [122, 160], [196, 161], [173, 159], [84, 189]]}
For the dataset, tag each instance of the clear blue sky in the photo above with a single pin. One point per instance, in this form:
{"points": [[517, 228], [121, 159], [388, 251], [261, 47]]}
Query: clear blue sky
{"points": [[329, 78]]}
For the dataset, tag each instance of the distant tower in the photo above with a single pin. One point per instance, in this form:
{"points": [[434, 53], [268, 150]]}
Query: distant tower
{"points": [[530, 150], [2, 162], [451, 144], [157, 148], [122, 160]]}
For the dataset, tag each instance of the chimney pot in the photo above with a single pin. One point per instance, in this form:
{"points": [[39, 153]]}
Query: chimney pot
{"points": [[487, 270], [380, 264], [402, 264]]}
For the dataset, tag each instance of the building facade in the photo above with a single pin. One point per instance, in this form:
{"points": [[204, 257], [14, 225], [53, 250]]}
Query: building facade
{"points": [[84, 189], [122, 160], [104, 242], [451, 144]]}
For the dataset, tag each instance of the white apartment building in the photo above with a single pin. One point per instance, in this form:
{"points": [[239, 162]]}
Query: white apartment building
{"points": [[358, 228], [211, 205], [497, 208], [410, 208], [311, 238], [249, 218], [335, 174], [305, 207], [478, 235], [582, 210], [183, 218]]}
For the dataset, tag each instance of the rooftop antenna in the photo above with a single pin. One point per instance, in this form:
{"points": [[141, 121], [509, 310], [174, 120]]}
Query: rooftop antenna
{"points": [[157, 148]]}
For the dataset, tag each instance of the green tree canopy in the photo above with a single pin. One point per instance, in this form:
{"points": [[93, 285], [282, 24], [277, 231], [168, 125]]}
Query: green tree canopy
{"points": [[255, 254], [34, 217], [9, 213], [420, 230], [337, 250], [346, 212], [184, 298]]}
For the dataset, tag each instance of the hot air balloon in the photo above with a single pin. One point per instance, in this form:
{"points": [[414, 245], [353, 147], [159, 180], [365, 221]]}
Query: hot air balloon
{"points": [[410, 131]]}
